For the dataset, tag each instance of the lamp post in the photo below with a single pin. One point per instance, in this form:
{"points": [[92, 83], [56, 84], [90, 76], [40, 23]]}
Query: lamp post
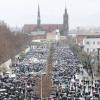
{"points": [[98, 50], [92, 73], [41, 86], [92, 62], [25, 84], [25, 91]]}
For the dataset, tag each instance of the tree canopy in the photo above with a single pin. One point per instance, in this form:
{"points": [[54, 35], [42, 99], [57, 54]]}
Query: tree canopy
{"points": [[11, 44]]}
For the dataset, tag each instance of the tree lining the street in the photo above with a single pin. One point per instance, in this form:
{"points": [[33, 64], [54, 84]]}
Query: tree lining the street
{"points": [[11, 44], [46, 78], [78, 51]]}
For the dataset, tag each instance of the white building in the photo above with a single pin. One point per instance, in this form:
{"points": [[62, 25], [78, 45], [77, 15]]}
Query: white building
{"points": [[57, 35], [91, 44]]}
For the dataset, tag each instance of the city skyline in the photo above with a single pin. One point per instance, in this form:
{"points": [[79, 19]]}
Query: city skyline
{"points": [[83, 13]]}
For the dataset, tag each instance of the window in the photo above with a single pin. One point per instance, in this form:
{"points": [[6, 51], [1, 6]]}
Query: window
{"points": [[87, 42]]}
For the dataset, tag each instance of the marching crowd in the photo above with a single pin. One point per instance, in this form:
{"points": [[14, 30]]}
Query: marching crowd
{"points": [[22, 83], [67, 76], [66, 68]]}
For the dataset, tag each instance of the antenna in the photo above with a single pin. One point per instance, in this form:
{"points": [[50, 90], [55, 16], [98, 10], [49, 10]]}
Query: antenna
{"points": [[65, 4]]}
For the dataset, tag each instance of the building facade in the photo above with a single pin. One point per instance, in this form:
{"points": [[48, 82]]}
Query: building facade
{"points": [[65, 23], [64, 28], [89, 42], [92, 44]]}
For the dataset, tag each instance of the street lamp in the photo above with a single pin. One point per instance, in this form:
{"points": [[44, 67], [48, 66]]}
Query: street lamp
{"points": [[42, 85], [92, 63], [92, 73], [25, 90], [98, 50], [25, 83]]}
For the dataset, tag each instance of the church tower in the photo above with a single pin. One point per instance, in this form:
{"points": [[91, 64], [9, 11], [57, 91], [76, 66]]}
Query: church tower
{"points": [[65, 23], [38, 17]]}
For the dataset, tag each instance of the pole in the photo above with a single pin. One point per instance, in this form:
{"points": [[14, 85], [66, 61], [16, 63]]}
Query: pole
{"points": [[41, 86], [25, 91], [92, 82], [98, 59], [92, 73], [25, 85]]}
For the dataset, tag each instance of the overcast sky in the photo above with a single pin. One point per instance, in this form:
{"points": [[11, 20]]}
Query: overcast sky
{"points": [[84, 13]]}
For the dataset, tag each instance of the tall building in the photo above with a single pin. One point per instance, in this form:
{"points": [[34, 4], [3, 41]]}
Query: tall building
{"points": [[38, 17], [32, 28], [65, 23]]}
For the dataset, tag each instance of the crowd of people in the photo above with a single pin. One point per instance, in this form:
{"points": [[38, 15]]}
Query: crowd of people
{"points": [[34, 60], [22, 82], [68, 77]]}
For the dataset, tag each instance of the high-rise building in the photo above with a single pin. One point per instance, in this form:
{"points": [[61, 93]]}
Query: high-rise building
{"points": [[38, 17], [65, 23]]}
